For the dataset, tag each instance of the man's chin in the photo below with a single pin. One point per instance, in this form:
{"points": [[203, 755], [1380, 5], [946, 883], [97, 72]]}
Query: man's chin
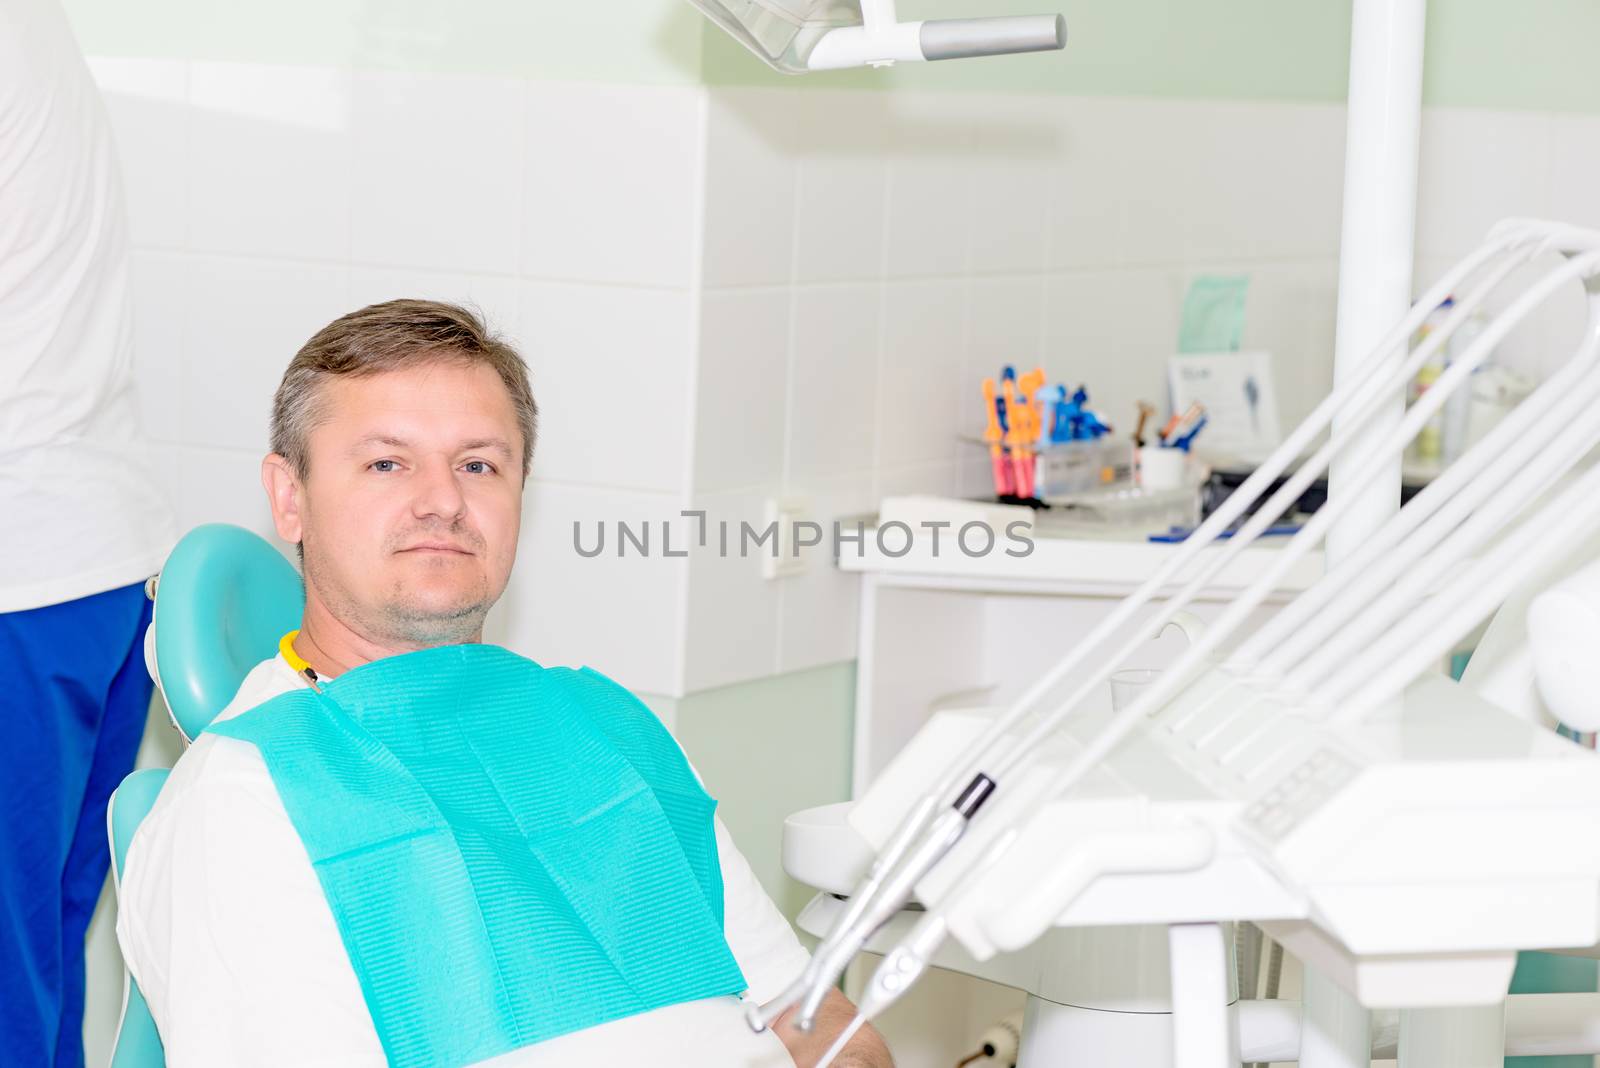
{"points": [[438, 621]]}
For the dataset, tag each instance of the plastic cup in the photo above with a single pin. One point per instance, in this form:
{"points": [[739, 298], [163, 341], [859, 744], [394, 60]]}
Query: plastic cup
{"points": [[1129, 683], [1163, 469]]}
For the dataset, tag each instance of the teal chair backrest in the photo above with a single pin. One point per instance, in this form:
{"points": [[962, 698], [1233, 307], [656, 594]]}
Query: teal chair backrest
{"points": [[223, 599], [138, 1044]]}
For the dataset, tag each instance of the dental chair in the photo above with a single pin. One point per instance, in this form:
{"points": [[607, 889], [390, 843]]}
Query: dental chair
{"points": [[222, 600]]}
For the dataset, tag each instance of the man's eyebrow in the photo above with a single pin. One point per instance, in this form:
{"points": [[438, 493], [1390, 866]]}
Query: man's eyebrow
{"points": [[379, 439], [497, 444], [488, 443]]}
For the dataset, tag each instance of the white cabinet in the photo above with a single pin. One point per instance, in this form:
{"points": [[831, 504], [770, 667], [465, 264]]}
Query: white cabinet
{"points": [[946, 630]]}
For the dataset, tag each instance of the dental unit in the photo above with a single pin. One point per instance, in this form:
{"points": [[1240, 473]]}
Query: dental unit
{"points": [[1312, 773]]}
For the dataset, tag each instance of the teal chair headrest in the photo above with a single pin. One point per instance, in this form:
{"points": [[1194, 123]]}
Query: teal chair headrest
{"points": [[223, 599]]}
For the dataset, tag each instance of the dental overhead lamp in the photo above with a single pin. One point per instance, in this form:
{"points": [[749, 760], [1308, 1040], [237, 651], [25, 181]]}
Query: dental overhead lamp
{"points": [[796, 36]]}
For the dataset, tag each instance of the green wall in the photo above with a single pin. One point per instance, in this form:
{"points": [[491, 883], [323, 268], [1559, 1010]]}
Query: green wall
{"points": [[1288, 49], [766, 749], [645, 42], [1532, 54]]}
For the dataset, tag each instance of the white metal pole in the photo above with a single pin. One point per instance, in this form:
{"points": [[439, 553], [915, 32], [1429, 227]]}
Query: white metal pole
{"points": [[1204, 1025], [1382, 134]]}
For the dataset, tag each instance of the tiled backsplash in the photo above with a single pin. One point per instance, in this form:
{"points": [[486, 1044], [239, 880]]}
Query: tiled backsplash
{"points": [[728, 293]]}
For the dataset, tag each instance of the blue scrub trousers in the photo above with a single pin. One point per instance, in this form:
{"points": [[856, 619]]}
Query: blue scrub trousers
{"points": [[73, 699]]}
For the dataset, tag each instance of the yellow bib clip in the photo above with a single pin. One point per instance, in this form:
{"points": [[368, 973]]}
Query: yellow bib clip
{"points": [[296, 661]]}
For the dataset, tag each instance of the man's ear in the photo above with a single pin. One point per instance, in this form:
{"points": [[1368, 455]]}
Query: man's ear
{"points": [[283, 494]]}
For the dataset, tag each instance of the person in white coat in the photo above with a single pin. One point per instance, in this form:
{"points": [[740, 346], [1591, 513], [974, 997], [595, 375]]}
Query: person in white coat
{"points": [[82, 525]]}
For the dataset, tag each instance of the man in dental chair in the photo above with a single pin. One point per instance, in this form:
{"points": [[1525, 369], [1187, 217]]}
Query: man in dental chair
{"points": [[397, 845]]}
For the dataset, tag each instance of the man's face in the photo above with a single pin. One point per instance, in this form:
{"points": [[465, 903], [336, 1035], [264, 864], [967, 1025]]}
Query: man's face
{"points": [[409, 515]]}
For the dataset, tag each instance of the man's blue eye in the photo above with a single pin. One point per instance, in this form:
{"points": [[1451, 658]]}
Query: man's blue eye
{"points": [[478, 467], [382, 465]]}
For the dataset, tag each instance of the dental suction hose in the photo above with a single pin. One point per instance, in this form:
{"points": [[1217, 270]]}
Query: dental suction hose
{"points": [[898, 973], [760, 1017], [946, 832], [894, 891]]}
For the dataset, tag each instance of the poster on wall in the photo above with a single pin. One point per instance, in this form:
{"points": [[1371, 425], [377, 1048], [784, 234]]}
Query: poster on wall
{"points": [[1236, 390]]}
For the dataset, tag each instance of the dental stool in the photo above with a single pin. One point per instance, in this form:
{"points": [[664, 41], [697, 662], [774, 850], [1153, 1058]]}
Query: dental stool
{"points": [[222, 600]]}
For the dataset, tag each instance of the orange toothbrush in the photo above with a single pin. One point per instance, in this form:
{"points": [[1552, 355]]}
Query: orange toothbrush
{"points": [[994, 436]]}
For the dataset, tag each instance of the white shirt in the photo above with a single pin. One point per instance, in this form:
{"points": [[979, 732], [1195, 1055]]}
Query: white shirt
{"points": [[223, 923], [82, 513]]}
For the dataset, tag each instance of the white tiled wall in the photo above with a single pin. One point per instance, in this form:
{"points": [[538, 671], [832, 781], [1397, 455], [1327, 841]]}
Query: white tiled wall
{"points": [[932, 238], [267, 200], [270, 169], [897, 248], [727, 294], [628, 215]]}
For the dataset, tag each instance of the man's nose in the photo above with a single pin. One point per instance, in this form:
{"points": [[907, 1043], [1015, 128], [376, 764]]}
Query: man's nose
{"points": [[438, 493]]}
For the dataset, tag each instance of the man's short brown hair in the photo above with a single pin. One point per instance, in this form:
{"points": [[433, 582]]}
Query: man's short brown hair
{"points": [[389, 337]]}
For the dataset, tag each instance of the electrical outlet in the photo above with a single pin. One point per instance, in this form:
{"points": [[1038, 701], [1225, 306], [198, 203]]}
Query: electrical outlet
{"points": [[786, 513]]}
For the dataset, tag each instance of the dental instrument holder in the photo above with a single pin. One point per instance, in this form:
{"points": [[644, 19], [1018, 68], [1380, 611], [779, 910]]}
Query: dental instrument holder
{"points": [[796, 36], [1065, 468], [1135, 510], [955, 879]]}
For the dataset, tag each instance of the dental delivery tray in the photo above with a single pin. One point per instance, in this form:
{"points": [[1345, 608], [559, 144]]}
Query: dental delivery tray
{"points": [[1409, 856]]}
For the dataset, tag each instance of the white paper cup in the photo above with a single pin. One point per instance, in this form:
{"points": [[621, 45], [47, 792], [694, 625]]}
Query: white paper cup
{"points": [[1163, 469]]}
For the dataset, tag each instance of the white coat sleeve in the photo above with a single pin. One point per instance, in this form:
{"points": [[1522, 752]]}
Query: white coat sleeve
{"points": [[224, 925], [763, 943]]}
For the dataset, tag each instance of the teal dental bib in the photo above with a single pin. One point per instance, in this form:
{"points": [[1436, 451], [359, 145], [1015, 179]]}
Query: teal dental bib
{"points": [[510, 852]]}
